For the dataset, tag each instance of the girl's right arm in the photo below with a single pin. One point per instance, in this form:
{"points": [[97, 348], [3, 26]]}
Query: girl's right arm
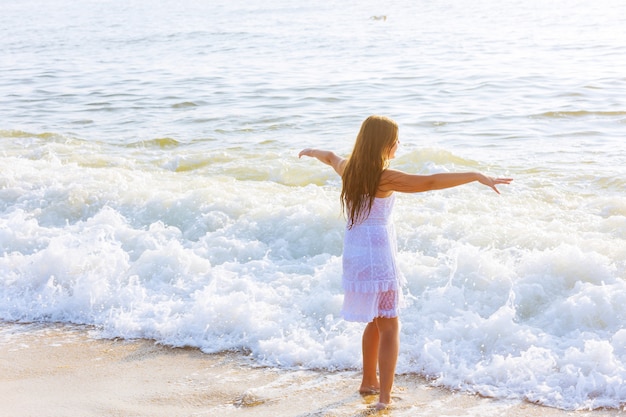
{"points": [[329, 158], [393, 180]]}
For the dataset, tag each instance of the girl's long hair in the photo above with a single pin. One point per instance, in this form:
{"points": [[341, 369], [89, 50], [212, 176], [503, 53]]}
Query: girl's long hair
{"points": [[365, 165]]}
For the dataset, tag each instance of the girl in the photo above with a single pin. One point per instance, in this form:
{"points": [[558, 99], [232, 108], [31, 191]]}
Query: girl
{"points": [[371, 279]]}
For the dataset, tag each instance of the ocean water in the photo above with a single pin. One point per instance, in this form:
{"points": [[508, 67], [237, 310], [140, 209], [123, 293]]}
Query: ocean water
{"points": [[150, 185]]}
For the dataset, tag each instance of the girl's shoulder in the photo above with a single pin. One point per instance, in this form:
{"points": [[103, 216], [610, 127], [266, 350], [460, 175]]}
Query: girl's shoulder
{"points": [[389, 176], [384, 185]]}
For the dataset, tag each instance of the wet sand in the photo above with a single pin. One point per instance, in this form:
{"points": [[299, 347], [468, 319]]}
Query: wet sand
{"points": [[62, 371]]}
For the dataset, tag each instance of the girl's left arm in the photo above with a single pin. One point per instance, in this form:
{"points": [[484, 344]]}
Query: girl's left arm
{"points": [[328, 157]]}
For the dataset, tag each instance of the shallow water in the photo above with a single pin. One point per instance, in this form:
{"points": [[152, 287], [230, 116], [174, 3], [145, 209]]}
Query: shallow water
{"points": [[150, 185]]}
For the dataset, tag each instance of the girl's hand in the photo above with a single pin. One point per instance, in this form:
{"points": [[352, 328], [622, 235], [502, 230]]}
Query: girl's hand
{"points": [[492, 182], [306, 152], [327, 157]]}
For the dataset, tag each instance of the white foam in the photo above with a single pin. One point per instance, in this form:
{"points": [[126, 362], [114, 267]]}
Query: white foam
{"points": [[510, 296], [167, 201]]}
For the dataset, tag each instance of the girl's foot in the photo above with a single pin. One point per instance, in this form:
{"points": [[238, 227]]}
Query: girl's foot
{"points": [[369, 390], [380, 406]]}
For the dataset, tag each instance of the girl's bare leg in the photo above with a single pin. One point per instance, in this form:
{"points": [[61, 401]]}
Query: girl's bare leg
{"points": [[370, 347], [389, 347]]}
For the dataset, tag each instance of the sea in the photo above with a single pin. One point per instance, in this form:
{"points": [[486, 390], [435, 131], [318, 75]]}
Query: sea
{"points": [[150, 185]]}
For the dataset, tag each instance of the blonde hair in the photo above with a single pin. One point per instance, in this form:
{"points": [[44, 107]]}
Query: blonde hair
{"points": [[369, 158]]}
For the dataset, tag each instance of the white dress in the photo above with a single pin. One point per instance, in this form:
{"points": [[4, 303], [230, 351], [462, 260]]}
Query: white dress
{"points": [[371, 279]]}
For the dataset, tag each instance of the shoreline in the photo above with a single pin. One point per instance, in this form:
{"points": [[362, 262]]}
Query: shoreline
{"points": [[51, 370]]}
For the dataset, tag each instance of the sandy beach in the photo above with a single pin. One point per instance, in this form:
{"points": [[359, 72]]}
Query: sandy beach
{"points": [[63, 371]]}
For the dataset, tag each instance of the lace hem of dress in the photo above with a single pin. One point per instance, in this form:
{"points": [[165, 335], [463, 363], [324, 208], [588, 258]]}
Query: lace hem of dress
{"points": [[370, 286], [366, 318]]}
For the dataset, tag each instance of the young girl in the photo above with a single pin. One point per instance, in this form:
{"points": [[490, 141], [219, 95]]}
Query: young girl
{"points": [[371, 279]]}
